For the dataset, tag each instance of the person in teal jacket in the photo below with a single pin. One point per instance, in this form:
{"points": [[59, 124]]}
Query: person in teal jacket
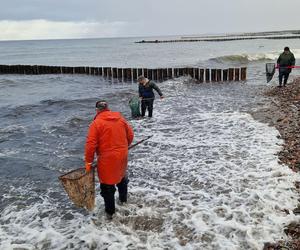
{"points": [[284, 62]]}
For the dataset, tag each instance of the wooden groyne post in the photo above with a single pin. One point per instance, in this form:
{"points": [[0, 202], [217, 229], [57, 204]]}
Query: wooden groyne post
{"points": [[131, 74]]}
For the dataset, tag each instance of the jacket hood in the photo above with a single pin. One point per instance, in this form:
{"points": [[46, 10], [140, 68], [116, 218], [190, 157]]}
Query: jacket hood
{"points": [[109, 115]]}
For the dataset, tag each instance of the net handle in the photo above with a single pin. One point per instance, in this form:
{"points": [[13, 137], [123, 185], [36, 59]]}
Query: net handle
{"points": [[63, 177], [139, 142], [94, 166], [133, 145]]}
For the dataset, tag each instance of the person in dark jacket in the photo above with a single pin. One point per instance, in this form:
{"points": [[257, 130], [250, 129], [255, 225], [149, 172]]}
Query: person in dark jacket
{"points": [[284, 63], [147, 95]]}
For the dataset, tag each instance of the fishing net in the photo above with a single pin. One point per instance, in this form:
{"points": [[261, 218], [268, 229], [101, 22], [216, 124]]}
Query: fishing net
{"points": [[80, 187], [270, 71], [134, 105]]}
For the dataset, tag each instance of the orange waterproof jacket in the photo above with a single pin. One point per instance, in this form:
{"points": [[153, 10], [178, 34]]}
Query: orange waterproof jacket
{"points": [[109, 136]]}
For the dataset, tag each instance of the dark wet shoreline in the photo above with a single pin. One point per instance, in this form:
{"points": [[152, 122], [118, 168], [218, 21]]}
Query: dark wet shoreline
{"points": [[283, 113]]}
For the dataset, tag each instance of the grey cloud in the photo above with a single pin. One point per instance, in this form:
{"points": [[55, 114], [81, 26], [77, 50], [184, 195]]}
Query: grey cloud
{"points": [[54, 10], [163, 17]]}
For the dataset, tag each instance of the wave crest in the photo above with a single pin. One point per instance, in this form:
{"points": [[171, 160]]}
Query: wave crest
{"points": [[245, 58]]}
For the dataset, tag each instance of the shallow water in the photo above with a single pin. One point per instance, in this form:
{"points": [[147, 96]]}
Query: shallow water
{"points": [[207, 179]]}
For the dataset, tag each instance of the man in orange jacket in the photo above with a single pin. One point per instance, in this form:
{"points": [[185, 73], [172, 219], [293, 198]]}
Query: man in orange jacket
{"points": [[109, 136]]}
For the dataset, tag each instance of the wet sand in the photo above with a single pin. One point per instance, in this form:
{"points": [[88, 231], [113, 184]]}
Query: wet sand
{"points": [[283, 112]]}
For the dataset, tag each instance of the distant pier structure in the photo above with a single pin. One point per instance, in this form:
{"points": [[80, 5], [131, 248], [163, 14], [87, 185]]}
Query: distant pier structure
{"points": [[200, 75], [283, 35], [190, 40]]}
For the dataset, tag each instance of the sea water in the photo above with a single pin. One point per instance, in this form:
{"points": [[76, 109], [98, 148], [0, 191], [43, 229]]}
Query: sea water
{"points": [[209, 178]]}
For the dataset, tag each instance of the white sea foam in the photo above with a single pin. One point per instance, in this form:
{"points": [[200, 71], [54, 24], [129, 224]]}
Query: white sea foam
{"points": [[10, 131], [207, 179], [13, 129]]}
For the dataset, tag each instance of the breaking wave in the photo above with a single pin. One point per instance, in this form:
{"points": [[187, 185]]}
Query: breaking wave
{"points": [[248, 58], [244, 58]]}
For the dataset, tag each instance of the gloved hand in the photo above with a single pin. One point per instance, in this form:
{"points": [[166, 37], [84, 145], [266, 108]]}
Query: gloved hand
{"points": [[88, 167]]}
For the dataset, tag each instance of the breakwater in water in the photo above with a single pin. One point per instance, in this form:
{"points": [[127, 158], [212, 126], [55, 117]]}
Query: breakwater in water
{"points": [[221, 39], [131, 74]]}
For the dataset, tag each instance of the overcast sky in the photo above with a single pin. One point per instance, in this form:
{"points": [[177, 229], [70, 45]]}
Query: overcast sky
{"points": [[48, 19]]}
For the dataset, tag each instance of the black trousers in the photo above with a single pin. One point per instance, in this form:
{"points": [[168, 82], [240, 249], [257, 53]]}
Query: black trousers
{"points": [[147, 104], [283, 75], [108, 194]]}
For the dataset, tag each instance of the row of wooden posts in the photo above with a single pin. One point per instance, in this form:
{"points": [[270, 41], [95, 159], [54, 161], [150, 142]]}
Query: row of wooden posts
{"points": [[131, 74]]}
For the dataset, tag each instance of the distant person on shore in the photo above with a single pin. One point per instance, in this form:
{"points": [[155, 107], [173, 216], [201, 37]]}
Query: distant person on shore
{"points": [[147, 95], [109, 136], [284, 62]]}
